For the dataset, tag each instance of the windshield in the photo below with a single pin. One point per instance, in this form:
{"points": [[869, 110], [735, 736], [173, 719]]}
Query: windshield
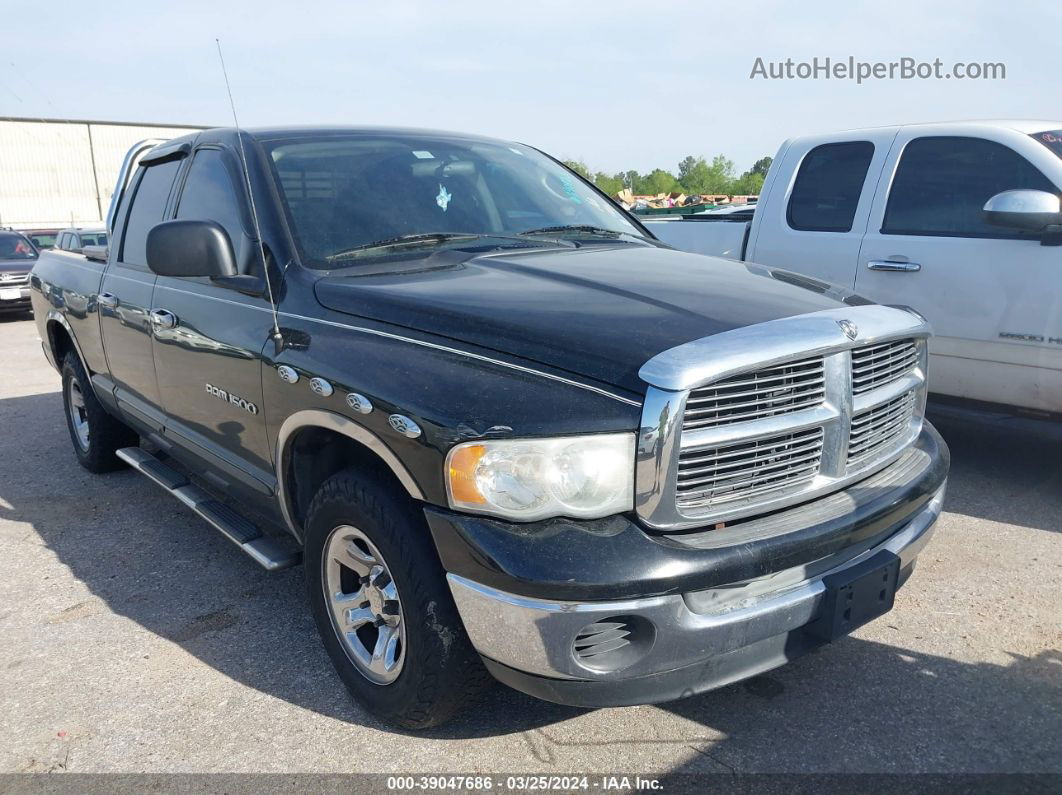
{"points": [[1052, 139], [14, 246], [93, 238], [349, 193]]}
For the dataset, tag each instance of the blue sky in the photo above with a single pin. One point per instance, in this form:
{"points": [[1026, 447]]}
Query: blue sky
{"points": [[617, 84]]}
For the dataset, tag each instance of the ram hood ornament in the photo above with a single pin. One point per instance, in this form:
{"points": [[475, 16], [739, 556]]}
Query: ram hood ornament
{"points": [[850, 329]]}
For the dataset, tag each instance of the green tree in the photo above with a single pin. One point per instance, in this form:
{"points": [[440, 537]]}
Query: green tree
{"points": [[686, 166], [720, 176], [700, 176], [748, 184], [657, 181], [761, 166], [694, 176], [579, 167], [609, 183]]}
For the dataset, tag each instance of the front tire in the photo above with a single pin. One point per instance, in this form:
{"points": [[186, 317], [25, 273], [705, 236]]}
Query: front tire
{"points": [[379, 596], [94, 433]]}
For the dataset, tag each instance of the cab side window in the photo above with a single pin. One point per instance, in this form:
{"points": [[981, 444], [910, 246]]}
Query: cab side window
{"points": [[147, 210], [827, 187], [210, 195], [942, 184]]}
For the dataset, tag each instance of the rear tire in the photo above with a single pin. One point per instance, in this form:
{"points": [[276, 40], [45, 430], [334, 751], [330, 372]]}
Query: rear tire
{"points": [[94, 433], [426, 669]]}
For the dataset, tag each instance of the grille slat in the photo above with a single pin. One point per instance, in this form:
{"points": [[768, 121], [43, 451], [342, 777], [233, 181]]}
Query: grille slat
{"points": [[729, 459], [742, 480], [751, 468], [874, 366], [759, 384], [877, 429], [741, 405], [810, 382], [779, 389]]}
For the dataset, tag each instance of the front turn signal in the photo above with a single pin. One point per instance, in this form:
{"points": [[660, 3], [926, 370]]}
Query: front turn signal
{"points": [[463, 463]]}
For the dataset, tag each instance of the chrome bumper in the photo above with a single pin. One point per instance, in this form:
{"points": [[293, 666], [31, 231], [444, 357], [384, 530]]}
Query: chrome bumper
{"points": [[537, 636]]}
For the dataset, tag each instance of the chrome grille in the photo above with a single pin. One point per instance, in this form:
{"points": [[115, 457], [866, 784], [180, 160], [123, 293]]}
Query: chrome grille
{"points": [[708, 477], [14, 278], [877, 365], [880, 428], [780, 389], [755, 419]]}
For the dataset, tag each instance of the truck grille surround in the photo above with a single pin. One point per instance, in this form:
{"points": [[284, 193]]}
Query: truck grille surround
{"points": [[760, 418]]}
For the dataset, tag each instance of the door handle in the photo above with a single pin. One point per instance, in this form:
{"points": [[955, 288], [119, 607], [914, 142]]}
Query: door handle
{"points": [[163, 318], [109, 300], [893, 265]]}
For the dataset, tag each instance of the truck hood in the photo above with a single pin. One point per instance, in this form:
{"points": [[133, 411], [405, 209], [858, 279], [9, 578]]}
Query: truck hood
{"points": [[17, 265], [600, 312]]}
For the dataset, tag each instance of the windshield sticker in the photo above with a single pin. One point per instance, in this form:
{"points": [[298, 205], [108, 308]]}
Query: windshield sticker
{"points": [[1052, 139], [569, 190], [423, 155], [443, 199]]}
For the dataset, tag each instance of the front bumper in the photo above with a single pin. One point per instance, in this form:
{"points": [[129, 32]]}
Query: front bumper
{"points": [[700, 627], [14, 297]]}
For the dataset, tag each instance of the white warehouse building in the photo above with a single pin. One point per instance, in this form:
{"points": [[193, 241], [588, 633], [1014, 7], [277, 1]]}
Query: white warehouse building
{"points": [[61, 172]]}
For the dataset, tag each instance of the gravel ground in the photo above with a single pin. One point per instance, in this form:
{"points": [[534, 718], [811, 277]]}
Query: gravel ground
{"points": [[135, 639]]}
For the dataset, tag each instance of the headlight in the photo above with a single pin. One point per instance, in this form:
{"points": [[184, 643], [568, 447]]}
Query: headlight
{"points": [[584, 477]]}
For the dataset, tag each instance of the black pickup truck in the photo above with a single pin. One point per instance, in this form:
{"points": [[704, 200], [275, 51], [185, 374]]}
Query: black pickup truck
{"points": [[505, 429]]}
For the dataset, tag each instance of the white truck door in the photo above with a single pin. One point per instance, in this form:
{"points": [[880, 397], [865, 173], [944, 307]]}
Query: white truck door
{"points": [[992, 295], [815, 209]]}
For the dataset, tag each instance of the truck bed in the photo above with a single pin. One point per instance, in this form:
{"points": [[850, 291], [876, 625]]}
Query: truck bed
{"points": [[716, 237]]}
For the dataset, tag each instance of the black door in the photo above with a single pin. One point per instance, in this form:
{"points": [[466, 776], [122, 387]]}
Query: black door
{"points": [[208, 349], [125, 297]]}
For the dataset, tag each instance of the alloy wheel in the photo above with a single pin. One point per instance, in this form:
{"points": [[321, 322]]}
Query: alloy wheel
{"points": [[364, 605]]}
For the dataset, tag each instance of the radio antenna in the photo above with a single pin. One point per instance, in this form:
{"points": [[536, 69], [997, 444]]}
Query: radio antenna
{"points": [[278, 338]]}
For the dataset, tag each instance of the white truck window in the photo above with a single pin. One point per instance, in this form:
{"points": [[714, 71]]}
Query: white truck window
{"points": [[942, 183], [828, 185]]}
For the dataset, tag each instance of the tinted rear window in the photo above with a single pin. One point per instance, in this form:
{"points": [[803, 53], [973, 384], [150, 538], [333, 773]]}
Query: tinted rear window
{"points": [[828, 185], [43, 241], [209, 195], [149, 204]]}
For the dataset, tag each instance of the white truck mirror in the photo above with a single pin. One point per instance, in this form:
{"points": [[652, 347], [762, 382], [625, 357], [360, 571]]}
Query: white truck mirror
{"points": [[1031, 210]]}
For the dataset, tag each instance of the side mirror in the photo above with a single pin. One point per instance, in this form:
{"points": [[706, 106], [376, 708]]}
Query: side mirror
{"points": [[190, 248], [95, 253], [1029, 210]]}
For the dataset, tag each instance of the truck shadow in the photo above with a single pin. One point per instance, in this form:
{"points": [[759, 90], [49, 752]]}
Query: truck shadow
{"points": [[1013, 478], [148, 559], [8, 316], [855, 706]]}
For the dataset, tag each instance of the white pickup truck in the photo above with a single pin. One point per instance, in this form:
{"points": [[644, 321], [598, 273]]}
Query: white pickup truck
{"points": [[960, 221]]}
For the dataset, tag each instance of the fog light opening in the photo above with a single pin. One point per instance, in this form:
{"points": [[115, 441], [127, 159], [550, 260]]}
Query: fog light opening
{"points": [[614, 643]]}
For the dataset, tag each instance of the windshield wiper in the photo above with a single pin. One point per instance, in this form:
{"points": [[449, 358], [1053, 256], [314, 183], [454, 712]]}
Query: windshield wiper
{"points": [[588, 228], [428, 237]]}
